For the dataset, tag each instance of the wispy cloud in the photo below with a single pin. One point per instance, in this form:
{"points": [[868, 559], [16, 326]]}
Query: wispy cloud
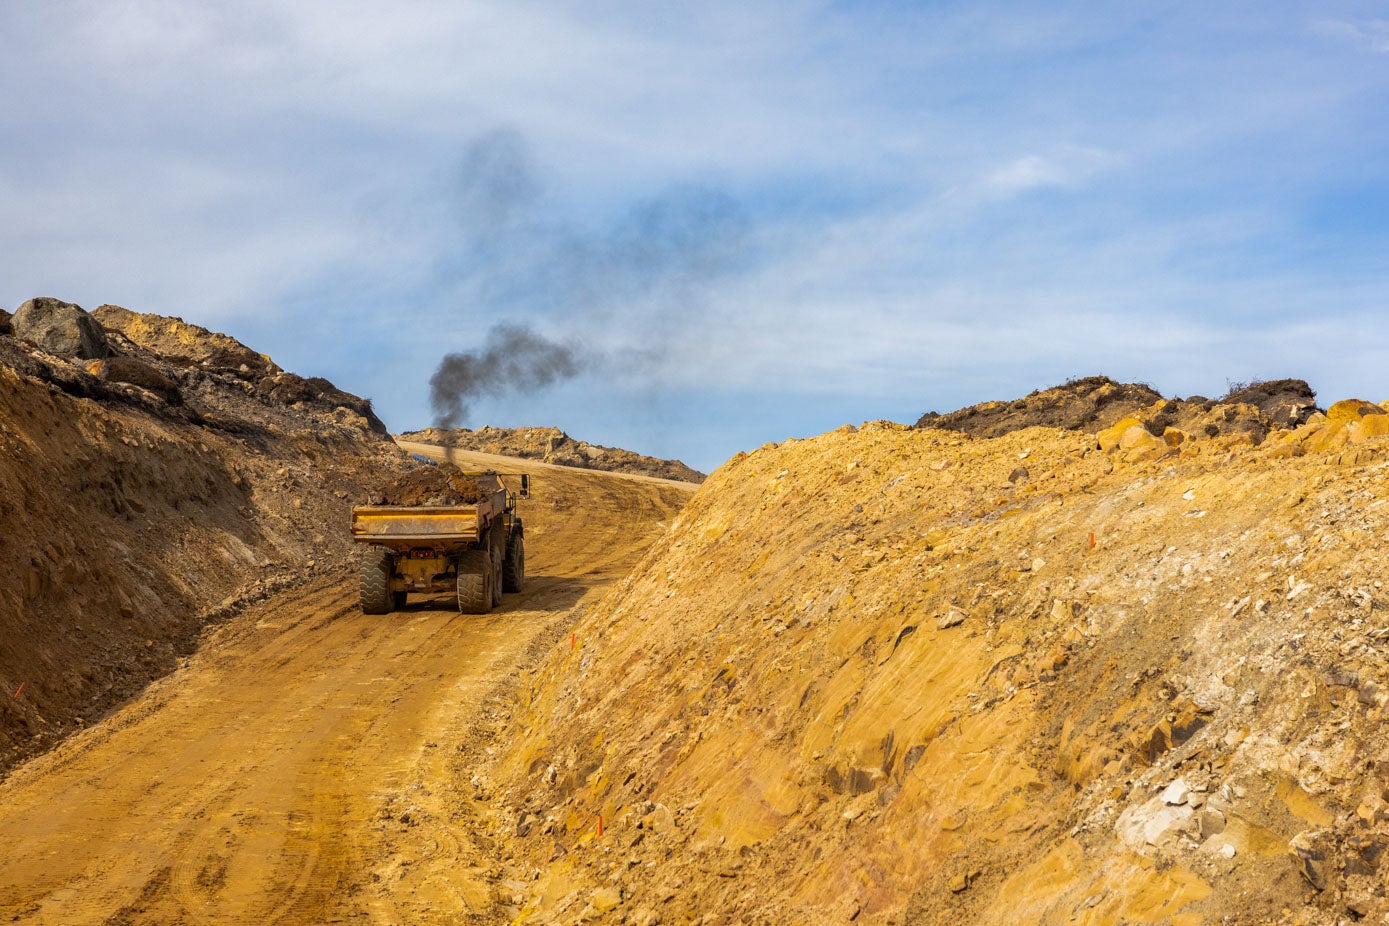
{"points": [[799, 206], [1368, 33]]}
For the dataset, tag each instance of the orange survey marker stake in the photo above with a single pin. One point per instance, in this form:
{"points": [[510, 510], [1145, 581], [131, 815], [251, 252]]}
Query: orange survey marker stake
{"points": [[573, 640], [600, 826], [19, 689], [1092, 540]]}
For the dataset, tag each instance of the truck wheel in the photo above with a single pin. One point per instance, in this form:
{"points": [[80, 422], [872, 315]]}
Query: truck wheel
{"points": [[496, 577], [497, 540], [475, 581], [398, 599], [514, 567], [376, 568]]}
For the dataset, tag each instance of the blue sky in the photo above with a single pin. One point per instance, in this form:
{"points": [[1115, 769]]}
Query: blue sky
{"points": [[752, 220]]}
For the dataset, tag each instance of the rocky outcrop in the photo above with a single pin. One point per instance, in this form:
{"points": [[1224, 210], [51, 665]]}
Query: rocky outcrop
{"points": [[1100, 406], [136, 373], [291, 389], [186, 345], [60, 328], [6, 322], [1089, 404]]}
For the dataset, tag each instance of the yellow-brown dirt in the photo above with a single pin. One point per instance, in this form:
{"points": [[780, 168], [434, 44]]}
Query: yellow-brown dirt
{"points": [[881, 676], [885, 676], [302, 766]]}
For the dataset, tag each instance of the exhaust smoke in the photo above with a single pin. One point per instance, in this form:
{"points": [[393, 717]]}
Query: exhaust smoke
{"points": [[513, 359]]}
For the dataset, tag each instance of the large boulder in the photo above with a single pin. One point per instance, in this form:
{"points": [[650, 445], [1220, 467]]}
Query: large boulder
{"points": [[60, 328]]}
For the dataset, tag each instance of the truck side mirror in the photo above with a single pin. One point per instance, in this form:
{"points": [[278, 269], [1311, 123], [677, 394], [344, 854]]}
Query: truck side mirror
{"points": [[525, 485]]}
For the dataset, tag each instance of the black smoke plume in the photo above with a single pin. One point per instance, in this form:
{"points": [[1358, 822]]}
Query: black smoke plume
{"points": [[633, 281], [513, 359]]}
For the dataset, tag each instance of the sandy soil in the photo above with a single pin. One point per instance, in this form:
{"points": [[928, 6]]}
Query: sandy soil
{"points": [[300, 767]]}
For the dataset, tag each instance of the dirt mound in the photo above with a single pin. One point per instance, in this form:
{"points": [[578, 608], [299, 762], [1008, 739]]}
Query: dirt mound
{"points": [[1143, 683], [142, 498], [440, 484], [551, 445], [1097, 403]]}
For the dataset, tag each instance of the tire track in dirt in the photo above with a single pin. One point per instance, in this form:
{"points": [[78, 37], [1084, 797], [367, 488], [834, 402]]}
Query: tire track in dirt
{"points": [[266, 780]]}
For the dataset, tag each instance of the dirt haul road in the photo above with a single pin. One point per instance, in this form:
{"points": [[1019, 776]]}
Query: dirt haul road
{"points": [[297, 769]]}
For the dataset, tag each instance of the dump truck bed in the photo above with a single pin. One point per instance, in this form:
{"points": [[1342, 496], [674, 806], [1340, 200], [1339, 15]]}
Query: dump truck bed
{"points": [[391, 525]]}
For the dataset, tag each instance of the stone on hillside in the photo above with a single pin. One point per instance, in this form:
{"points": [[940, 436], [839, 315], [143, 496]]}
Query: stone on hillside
{"points": [[1352, 410], [1309, 855], [1152, 823], [1175, 437], [1176, 792], [1368, 427], [1285, 403], [605, 900], [60, 328], [135, 373], [952, 618], [5, 322], [1109, 438]]}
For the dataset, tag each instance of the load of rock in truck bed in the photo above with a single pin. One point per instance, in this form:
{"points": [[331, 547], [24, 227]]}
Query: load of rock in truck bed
{"points": [[444, 484]]}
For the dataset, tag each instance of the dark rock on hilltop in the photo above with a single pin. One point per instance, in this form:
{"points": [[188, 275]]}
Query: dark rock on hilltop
{"points": [[60, 328], [1098, 403], [1284, 402], [1090, 404]]}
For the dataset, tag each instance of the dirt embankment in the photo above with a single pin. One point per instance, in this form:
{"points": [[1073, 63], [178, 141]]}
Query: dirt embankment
{"points": [[896, 675], [148, 492], [551, 445]]}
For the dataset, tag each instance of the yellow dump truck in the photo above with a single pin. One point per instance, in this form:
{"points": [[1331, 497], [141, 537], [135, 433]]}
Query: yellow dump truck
{"points": [[477, 549]]}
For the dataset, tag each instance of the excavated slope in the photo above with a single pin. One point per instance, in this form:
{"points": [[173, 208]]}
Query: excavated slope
{"points": [[908, 676], [130, 520]]}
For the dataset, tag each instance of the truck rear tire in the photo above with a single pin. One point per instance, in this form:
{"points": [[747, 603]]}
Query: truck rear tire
{"points": [[514, 566], [398, 599], [376, 568], [475, 581]]}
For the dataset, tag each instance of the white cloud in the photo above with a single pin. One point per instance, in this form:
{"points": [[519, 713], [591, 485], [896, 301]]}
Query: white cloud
{"points": [[1070, 167], [1369, 33], [291, 166]]}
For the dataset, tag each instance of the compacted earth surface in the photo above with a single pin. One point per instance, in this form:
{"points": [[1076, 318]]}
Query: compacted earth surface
{"points": [[1090, 656]]}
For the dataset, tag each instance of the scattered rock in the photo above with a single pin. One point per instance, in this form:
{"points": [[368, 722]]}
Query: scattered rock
{"points": [[441, 484], [605, 900], [1310, 858], [1176, 792], [952, 618]]}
